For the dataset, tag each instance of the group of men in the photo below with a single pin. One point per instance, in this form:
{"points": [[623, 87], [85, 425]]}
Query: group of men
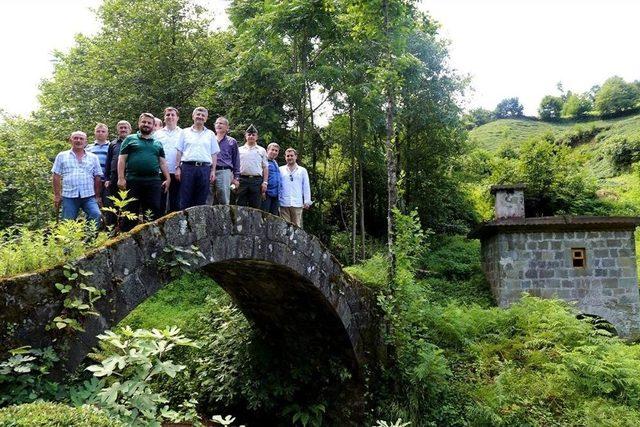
{"points": [[166, 168]]}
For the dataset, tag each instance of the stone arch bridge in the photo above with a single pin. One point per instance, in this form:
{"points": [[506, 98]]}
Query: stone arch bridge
{"points": [[282, 278]]}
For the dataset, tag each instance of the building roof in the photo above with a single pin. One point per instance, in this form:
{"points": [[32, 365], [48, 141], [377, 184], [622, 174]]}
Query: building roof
{"points": [[554, 223], [508, 187]]}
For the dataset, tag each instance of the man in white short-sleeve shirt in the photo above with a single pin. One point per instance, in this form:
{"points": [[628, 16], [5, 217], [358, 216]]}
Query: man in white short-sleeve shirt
{"points": [[295, 194], [254, 170], [196, 157]]}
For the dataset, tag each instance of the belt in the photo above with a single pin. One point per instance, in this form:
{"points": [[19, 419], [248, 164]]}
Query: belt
{"points": [[223, 168], [197, 163], [251, 176]]}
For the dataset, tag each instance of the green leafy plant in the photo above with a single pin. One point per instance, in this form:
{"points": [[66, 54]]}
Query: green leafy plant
{"points": [[23, 249], [79, 301], [129, 361], [49, 414], [306, 415], [119, 210], [24, 376], [178, 260]]}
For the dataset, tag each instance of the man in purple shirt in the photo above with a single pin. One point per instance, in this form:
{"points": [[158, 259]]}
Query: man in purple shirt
{"points": [[228, 165]]}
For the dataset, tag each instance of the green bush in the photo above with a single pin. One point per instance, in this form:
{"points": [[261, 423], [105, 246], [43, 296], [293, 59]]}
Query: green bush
{"points": [[23, 250], [48, 414], [624, 151]]}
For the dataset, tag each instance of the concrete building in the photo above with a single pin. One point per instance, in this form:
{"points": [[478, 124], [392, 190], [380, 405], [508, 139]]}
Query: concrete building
{"points": [[587, 260]]}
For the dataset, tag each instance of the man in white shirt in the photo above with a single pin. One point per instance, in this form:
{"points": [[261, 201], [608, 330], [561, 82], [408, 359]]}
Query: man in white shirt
{"points": [[197, 152], [295, 194], [254, 170], [169, 136]]}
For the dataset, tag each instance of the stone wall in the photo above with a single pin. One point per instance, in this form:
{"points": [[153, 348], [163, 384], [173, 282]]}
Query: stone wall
{"points": [[540, 263]]}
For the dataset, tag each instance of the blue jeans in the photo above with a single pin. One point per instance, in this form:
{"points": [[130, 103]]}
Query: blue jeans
{"points": [[71, 206]]}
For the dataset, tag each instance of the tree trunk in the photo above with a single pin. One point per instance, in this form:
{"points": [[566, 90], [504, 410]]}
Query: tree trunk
{"points": [[363, 247], [354, 206], [392, 191]]}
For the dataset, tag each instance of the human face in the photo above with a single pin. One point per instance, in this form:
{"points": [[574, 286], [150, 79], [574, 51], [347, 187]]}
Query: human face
{"points": [[157, 124], [170, 119], [251, 138], [290, 157], [145, 124], [123, 130], [221, 126], [101, 134], [78, 141], [273, 151], [199, 117]]}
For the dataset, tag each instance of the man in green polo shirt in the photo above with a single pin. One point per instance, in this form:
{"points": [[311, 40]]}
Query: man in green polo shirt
{"points": [[140, 159]]}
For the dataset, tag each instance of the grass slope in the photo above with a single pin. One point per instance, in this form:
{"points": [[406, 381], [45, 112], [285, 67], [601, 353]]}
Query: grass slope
{"points": [[493, 135]]}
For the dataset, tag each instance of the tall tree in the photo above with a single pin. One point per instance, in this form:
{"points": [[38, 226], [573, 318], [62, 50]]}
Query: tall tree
{"points": [[509, 108], [146, 56]]}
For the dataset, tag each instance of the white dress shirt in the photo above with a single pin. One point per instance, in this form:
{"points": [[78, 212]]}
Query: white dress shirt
{"points": [[197, 146], [169, 140], [252, 160], [296, 191]]}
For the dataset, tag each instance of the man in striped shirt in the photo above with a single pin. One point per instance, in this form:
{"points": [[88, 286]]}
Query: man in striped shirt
{"points": [[101, 148]]}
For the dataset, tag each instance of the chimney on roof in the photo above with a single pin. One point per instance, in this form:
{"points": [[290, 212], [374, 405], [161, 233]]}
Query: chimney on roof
{"points": [[509, 201]]}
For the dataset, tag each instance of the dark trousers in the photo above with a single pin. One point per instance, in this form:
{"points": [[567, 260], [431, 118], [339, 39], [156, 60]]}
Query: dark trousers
{"points": [[249, 193], [194, 185], [272, 205], [109, 218], [171, 199], [148, 195]]}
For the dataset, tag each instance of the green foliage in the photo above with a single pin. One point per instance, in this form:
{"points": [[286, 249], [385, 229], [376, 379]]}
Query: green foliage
{"points": [[24, 376], [79, 299], [369, 270], [130, 65], [49, 414], [624, 151], [576, 106], [238, 368], [177, 303], [508, 108], [178, 260], [477, 117], [119, 210], [616, 96], [550, 107], [128, 361], [22, 249], [25, 173]]}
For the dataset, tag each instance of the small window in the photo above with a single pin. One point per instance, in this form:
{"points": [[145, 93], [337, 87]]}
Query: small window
{"points": [[578, 255]]}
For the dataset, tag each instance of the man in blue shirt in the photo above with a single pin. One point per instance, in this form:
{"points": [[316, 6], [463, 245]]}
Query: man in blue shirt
{"points": [[270, 201], [101, 149], [76, 180]]}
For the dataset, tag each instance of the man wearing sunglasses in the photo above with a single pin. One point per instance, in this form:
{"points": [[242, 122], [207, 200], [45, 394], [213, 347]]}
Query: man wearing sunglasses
{"points": [[296, 192]]}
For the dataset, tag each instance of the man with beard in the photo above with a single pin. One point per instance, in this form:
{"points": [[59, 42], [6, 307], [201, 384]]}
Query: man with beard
{"points": [[138, 163], [169, 136], [196, 160], [76, 180]]}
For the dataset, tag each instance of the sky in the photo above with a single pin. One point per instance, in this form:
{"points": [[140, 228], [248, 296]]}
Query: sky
{"points": [[508, 47]]}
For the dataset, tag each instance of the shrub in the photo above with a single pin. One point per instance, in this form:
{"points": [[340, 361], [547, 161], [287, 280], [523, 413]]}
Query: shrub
{"points": [[624, 151], [24, 376], [22, 249], [48, 414]]}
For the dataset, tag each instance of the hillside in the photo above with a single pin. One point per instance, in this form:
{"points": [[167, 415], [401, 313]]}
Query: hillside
{"points": [[495, 134]]}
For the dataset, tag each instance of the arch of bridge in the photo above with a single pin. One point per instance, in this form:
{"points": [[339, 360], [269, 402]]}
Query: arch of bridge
{"points": [[282, 278]]}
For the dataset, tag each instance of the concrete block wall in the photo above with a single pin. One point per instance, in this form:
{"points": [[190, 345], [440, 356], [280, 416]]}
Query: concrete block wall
{"points": [[540, 263]]}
